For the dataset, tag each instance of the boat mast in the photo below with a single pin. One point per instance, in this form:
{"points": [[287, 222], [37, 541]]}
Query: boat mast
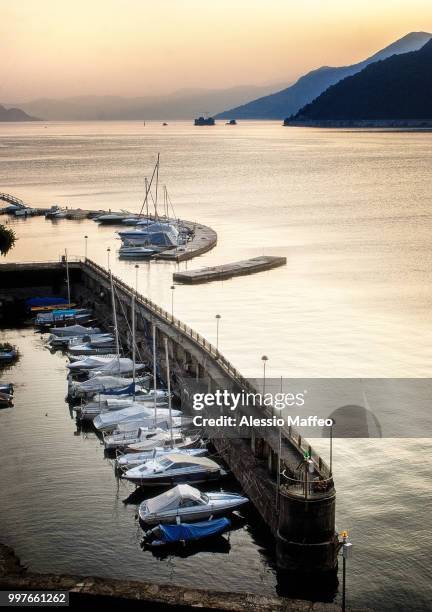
{"points": [[168, 376], [157, 183], [146, 200], [115, 319], [67, 277], [133, 344], [154, 374]]}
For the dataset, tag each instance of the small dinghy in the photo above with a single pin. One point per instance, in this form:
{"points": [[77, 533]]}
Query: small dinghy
{"points": [[188, 504], [130, 460], [74, 330], [174, 468], [163, 535]]}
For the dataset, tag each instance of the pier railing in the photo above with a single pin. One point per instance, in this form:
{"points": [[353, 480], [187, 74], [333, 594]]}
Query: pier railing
{"points": [[302, 446]]}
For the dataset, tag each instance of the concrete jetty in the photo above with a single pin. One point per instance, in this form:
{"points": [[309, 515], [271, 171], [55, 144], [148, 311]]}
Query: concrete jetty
{"points": [[238, 268], [300, 515], [92, 590]]}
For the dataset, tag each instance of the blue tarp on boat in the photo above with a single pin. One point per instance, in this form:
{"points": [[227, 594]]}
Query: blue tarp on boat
{"points": [[192, 531], [120, 390], [45, 301]]}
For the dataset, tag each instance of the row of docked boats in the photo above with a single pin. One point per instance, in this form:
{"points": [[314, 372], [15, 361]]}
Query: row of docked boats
{"points": [[143, 429], [149, 234]]}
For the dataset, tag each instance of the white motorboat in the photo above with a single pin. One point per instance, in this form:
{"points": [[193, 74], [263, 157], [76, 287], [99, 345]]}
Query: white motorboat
{"points": [[174, 468], [146, 431], [186, 503], [129, 460], [109, 420], [136, 252], [164, 440], [112, 218]]}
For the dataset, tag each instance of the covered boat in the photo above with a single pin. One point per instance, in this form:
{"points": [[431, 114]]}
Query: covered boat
{"points": [[174, 468], [89, 363], [186, 503], [117, 366], [146, 431], [74, 330], [161, 535], [100, 384], [164, 440], [129, 460], [109, 420]]}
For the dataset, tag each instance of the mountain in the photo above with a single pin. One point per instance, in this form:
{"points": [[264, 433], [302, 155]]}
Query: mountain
{"points": [[397, 89], [308, 87], [14, 114], [183, 104]]}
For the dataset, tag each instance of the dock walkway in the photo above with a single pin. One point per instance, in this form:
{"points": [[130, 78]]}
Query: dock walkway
{"points": [[237, 268]]}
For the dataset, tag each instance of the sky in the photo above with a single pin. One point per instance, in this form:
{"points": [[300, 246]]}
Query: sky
{"points": [[60, 48]]}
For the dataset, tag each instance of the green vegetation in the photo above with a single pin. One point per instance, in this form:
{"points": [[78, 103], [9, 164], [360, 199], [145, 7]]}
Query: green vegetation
{"points": [[7, 239]]}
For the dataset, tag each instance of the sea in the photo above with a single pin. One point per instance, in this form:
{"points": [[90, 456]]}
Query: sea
{"points": [[351, 211]]}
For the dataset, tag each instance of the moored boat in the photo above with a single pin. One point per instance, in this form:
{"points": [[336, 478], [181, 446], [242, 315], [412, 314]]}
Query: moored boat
{"points": [[187, 503], [163, 535], [174, 468], [129, 460]]}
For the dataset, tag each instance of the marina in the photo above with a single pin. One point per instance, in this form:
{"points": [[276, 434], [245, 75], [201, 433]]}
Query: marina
{"points": [[314, 293]]}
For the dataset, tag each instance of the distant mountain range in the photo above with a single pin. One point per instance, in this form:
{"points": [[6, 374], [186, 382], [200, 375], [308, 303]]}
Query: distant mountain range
{"points": [[308, 87], [183, 104], [14, 114], [396, 90]]}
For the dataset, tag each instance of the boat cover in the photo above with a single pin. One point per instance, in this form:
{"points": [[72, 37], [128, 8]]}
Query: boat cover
{"points": [[46, 301], [192, 531], [170, 500]]}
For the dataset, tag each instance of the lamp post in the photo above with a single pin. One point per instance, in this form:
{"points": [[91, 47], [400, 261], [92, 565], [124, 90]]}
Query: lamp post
{"points": [[136, 278], [108, 257], [218, 318], [331, 446], [172, 302], [346, 554], [264, 359], [85, 246]]}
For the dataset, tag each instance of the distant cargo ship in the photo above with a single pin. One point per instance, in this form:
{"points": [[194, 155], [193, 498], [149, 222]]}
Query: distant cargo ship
{"points": [[205, 121]]}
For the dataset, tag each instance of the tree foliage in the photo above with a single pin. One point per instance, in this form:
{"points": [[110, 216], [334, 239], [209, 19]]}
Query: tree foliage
{"points": [[7, 239]]}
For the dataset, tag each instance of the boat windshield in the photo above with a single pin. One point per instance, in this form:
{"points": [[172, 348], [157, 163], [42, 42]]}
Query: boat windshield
{"points": [[204, 498], [165, 463]]}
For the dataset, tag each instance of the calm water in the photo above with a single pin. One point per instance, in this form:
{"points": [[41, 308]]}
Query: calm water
{"points": [[351, 212]]}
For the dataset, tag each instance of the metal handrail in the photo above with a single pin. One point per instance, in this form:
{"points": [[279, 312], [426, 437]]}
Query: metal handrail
{"points": [[291, 434]]}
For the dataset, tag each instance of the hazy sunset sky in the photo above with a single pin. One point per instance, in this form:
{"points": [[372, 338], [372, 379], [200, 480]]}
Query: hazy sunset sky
{"points": [[57, 48]]}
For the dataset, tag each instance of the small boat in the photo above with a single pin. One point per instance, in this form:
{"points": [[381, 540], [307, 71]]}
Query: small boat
{"points": [[204, 121], [7, 388], [100, 384], [119, 366], [6, 399], [74, 330], [70, 342], [47, 302], [231, 122], [136, 252], [164, 440], [146, 431], [130, 221], [112, 218], [7, 353], [83, 350], [58, 316], [89, 411], [188, 504], [174, 468], [109, 420], [129, 460], [163, 535], [89, 363]]}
